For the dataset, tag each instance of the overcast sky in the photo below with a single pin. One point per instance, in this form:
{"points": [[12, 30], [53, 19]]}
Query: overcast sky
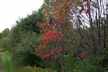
{"points": [[12, 10]]}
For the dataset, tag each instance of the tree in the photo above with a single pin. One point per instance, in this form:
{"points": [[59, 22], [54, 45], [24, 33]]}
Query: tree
{"points": [[23, 37], [52, 45]]}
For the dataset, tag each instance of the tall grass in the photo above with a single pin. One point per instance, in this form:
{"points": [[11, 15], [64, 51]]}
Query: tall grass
{"points": [[6, 59]]}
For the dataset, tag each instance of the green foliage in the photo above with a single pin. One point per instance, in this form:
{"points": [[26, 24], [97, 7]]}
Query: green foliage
{"points": [[5, 32], [4, 39], [105, 60], [91, 64], [24, 51], [24, 43], [30, 22], [23, 38]]}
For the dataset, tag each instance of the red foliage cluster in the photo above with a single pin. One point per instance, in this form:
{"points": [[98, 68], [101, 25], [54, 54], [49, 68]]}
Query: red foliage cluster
{"points": [[50, 54], [52, 36]]}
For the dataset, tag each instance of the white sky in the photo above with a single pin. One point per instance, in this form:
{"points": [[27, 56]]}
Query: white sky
{"points": [[12, 10]]}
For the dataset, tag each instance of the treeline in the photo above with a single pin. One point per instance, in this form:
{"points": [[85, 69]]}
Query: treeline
{"points": [[76, 46]]}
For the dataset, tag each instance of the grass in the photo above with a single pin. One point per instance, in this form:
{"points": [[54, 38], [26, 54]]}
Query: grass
{"points": [[33, 69]]}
